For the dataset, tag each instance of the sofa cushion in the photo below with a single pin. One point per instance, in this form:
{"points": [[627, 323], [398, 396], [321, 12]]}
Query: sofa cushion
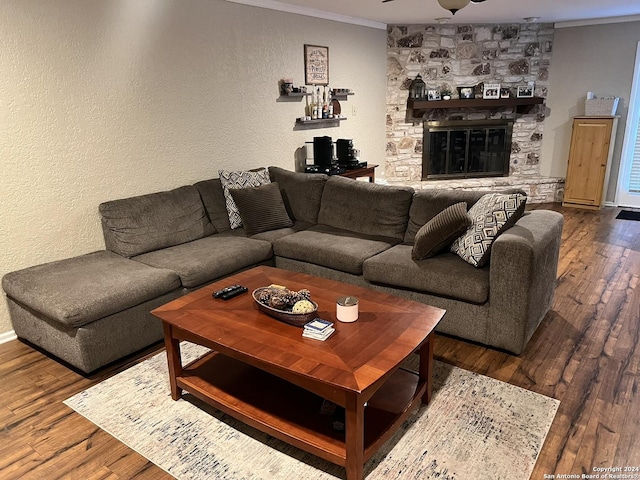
{"points": [[212, 196], [261, 208], [301, 193], [331, 247], [240, 179], [490, 216], [427, 204], [364, 207], [273, 235], [445, 275], [209, 258], [79, 290], [440, 232], [136, 225]]}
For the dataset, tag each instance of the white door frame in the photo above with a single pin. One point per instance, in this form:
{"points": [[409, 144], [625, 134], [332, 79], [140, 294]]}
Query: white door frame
{"points": [[623, 197]]}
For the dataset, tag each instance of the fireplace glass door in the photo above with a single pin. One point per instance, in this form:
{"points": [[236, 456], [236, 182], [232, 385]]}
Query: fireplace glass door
{"points": [[458, 149]]}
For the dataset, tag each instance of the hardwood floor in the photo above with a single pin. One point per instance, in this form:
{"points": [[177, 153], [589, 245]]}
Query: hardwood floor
{"points": [[586, 353]]}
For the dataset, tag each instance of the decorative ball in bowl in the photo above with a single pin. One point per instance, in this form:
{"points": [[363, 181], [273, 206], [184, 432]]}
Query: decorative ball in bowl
{"points": [[294, 308]]}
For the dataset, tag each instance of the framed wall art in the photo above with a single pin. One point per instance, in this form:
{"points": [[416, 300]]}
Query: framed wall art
{"points": [[316, 65], [433, 95], [491, 91], [525, 91], [466, 93]]}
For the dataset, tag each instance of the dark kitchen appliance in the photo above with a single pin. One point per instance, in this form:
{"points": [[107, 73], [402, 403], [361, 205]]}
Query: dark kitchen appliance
{"points": [[323, 151], [347, 155], [344, 149], [324, 160]]}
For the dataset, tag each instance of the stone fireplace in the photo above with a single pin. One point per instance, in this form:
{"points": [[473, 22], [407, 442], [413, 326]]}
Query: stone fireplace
{"points": [[451, 56]]}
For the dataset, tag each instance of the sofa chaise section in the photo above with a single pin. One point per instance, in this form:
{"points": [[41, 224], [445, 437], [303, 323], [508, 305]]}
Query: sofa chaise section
{"points": [[89, 310]]}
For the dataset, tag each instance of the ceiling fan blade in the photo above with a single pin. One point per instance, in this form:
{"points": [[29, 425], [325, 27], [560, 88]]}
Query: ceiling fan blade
{"points": [[385, 1]]}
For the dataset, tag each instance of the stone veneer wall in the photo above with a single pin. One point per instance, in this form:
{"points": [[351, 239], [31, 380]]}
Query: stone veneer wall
{"points": [[468, 55]]}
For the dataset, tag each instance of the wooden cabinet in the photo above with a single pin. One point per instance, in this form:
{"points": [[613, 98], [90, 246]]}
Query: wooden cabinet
{"points": [[589, 161]]}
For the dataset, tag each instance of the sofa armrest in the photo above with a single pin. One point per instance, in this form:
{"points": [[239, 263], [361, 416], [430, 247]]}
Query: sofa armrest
{"points": [[524, 264]]}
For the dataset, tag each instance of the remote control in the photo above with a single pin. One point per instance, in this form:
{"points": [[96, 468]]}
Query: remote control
{"points": [[233, 293], [222, 291]]}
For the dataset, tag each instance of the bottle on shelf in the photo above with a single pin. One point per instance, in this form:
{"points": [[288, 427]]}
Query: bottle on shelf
{"points": [[325, 105], [316, 97], [319, 104], [329, 102], [307, 108]]}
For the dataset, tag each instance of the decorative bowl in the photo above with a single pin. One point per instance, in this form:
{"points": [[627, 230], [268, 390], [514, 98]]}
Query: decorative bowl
{"points": [[295, 319]]}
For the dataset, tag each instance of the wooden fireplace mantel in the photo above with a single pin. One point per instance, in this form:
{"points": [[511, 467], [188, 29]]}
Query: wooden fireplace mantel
{"points": [[523, 105]]}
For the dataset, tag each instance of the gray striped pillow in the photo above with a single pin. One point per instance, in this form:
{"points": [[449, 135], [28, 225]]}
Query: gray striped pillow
{"points": [[440, 232], [261, 208]]}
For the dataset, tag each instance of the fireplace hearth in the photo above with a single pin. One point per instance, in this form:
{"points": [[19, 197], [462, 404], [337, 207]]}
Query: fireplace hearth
{"points": [[466, 149]]}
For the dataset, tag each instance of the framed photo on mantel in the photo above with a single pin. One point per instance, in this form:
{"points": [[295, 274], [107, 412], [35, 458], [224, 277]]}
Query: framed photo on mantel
{"points": [[525, 91], [491, 91], [316, 65]]}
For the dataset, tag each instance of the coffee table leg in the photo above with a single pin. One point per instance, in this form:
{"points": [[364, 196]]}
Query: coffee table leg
{"points": [[174, 360], [354, 426], [426, 366]]}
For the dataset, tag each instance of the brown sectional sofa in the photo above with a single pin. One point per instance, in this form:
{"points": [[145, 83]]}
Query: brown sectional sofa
{"points": [[94, 309]]}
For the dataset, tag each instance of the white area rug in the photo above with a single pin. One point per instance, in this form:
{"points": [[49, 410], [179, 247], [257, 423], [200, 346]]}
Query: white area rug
{"points": [[474, 428]]}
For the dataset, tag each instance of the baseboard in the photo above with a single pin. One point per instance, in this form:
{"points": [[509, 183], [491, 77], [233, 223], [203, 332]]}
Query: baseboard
{"points": [[7, 336], [610, 204]]}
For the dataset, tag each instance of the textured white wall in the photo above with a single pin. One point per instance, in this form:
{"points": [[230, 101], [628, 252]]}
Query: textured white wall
{"points": [[103, 100], [597, 58]]}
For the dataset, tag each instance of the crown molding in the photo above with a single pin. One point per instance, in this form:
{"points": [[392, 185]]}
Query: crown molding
{"points": [[598, 21], [310, 12]]}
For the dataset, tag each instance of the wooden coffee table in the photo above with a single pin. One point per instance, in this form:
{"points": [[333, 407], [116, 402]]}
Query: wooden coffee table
{"points": [[264, 373]]}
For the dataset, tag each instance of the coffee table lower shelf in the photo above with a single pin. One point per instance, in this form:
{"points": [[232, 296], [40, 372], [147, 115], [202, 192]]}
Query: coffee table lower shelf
{"points": [[291, 413]]}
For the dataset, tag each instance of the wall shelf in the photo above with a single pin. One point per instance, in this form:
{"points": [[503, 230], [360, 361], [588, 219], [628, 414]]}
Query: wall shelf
{"points": [[320, 121], [342, 95], [296, 94], [523, 105]]}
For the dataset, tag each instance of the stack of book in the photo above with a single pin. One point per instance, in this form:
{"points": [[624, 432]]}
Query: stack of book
{"points": [[318, 329]]}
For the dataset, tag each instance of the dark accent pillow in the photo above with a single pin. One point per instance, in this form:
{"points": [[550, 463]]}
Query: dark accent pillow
{"points": [[440, 232], [490, 216], [261, 208], [241, 179]]}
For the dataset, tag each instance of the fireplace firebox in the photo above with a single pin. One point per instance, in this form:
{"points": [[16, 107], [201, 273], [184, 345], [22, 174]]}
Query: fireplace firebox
{"points": [[466, 149]]}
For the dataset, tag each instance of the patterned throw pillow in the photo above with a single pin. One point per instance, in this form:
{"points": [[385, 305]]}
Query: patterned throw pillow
{"points": [[439, 232], [232, 180], [261, 208], [490, 216]]}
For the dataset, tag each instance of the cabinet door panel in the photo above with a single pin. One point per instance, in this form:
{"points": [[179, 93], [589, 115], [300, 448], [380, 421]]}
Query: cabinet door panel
{"points": [[587, 161]]}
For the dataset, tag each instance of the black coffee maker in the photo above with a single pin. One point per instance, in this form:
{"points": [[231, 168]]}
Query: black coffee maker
{"points": [[347, 154], [323, 151], [323, 157]]}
